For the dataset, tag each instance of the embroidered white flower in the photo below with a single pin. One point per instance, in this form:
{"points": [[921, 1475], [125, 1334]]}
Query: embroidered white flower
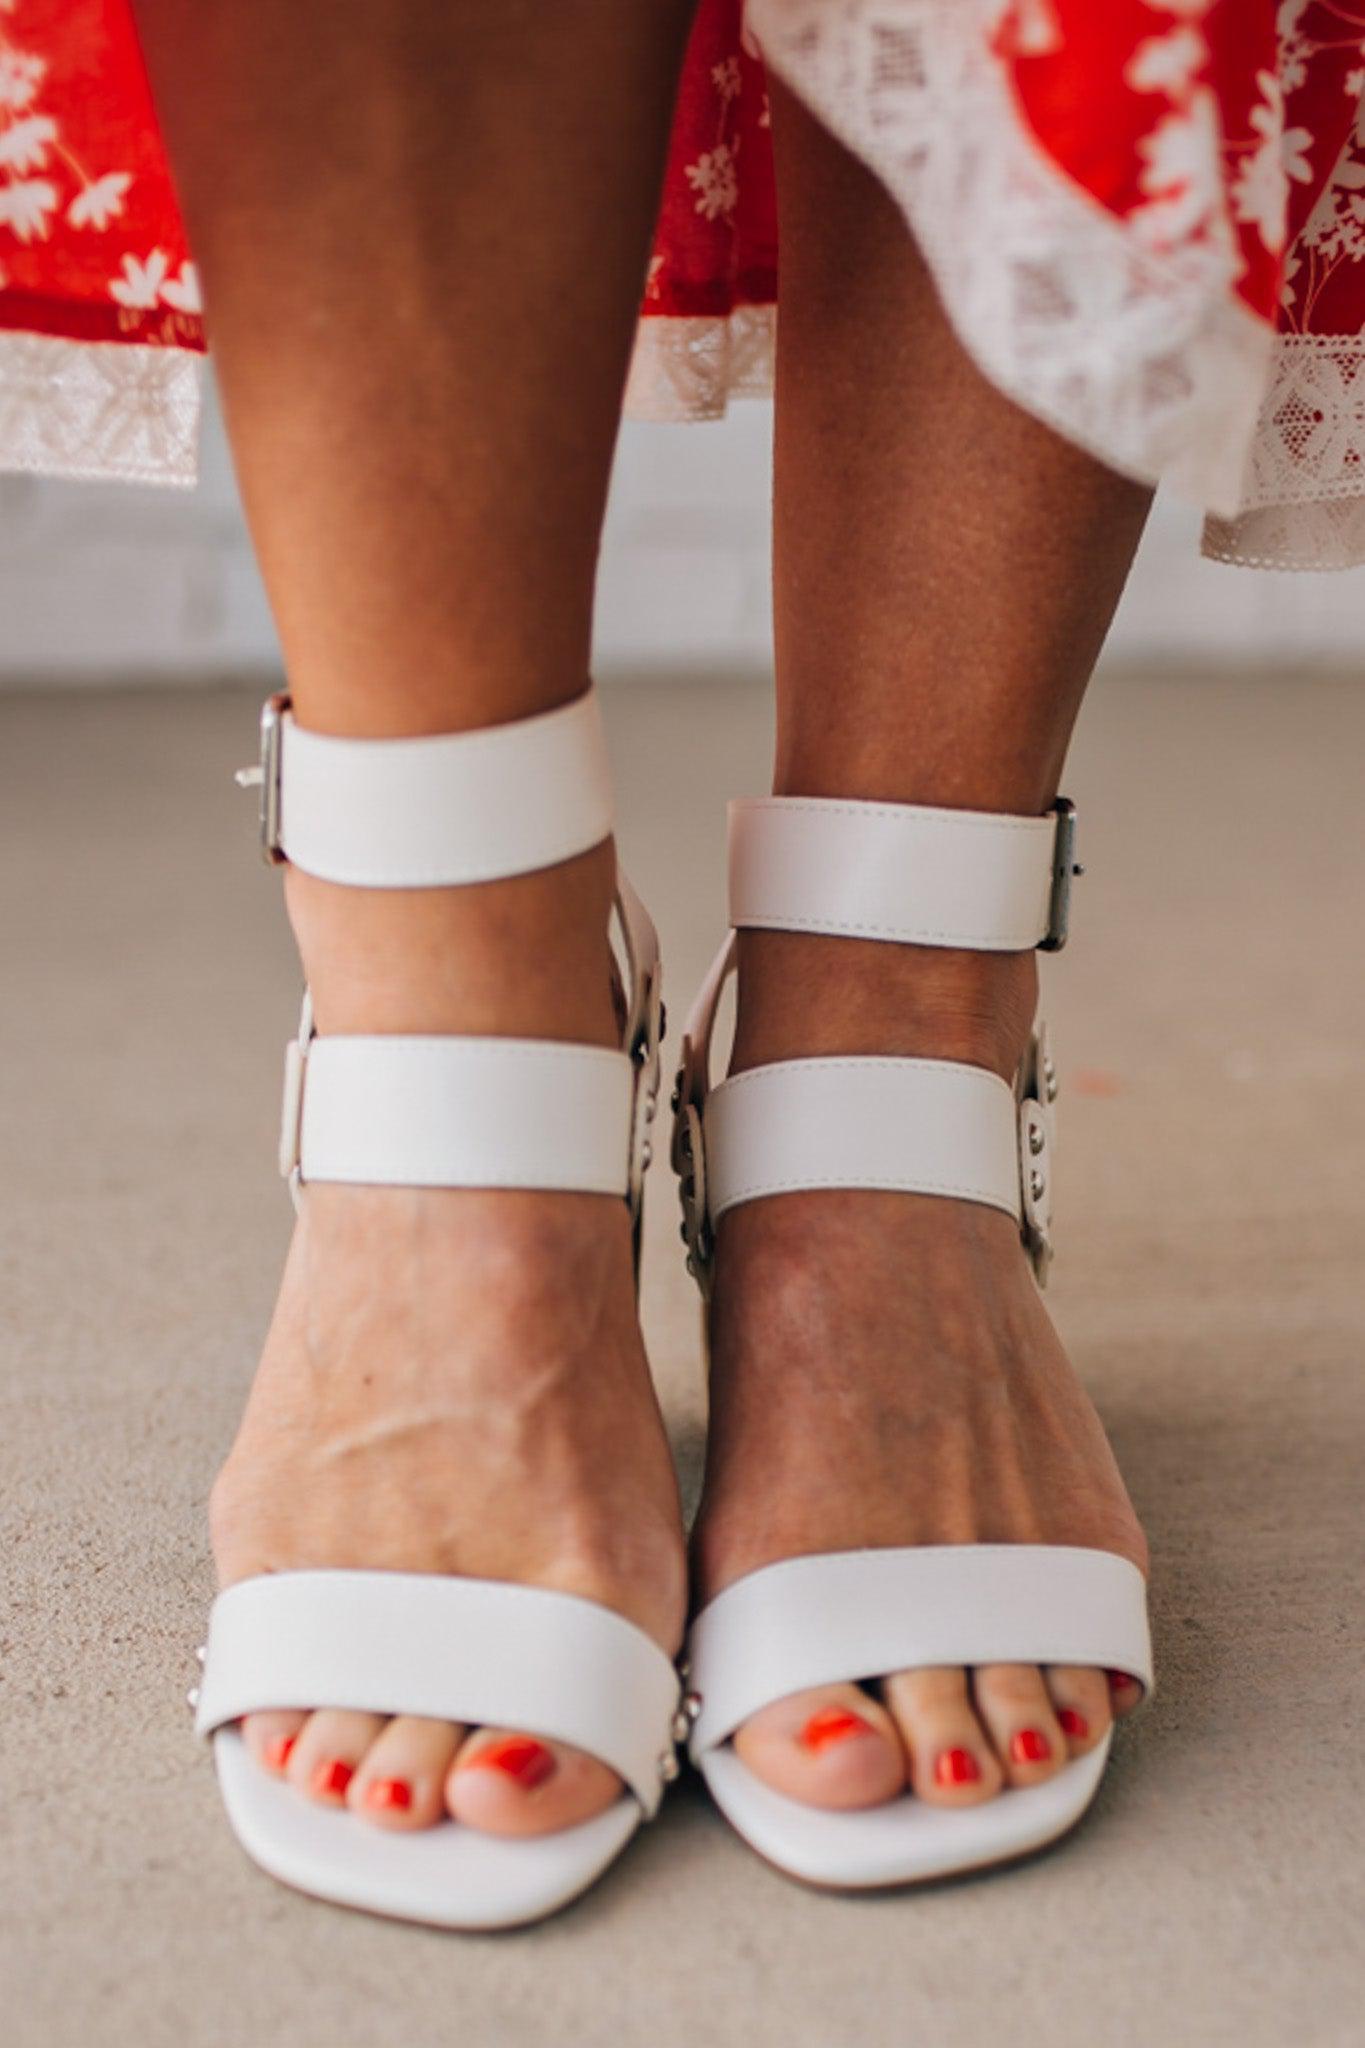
{"points": [[1181, 173], [24, 144], [1260, 191], [1167, 63], [714, 180], [141, 282], [1033, 25], [25, 204], [183, 292], [20, 77], [100, 201], [726, 79]]}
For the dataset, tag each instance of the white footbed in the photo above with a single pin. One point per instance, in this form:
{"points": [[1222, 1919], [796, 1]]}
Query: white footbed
{"points": [[905, 1842], [445, 1876]]}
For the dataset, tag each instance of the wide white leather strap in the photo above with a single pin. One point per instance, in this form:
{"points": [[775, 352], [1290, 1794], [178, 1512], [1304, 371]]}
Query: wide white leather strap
{"points": [[455, 807], [459, 1112], [465, 1650], [901, 871], [930, 1127], [858, 1614]]}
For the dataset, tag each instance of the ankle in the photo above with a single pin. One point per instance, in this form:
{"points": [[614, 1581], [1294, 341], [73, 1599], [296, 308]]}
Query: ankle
{"points": [[529, 956], [802, 997]]}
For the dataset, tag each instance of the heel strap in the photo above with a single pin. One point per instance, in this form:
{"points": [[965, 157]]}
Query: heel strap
{"points": [[902, 872], [436, 811]]}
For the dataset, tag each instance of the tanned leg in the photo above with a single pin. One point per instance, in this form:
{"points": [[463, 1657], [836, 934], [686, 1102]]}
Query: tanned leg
{"points": [[423, 227], [884, 1371]]}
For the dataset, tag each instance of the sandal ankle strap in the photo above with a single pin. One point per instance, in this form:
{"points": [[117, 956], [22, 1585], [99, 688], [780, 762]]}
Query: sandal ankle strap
{"points": [[895, 872], [438, 811], [903, 872], [435, 811]]}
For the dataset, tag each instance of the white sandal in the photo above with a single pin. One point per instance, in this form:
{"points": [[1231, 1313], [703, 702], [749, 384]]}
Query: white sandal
{"points": [[922, 877], [447, 1112]]}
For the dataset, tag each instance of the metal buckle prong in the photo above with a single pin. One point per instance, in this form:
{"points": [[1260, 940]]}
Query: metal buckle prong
{"points": [[1064, 867]]}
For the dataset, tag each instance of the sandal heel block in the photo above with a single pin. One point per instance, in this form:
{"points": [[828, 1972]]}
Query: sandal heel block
{"points": [[916, 876], [448, 1112]]}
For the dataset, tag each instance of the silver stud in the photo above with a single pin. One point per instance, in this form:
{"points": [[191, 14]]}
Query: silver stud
{"points": [[1036, 1185], [1050, 1085], [192, 1699], [1035, 1140], [684, 1668], [669, 1767]]}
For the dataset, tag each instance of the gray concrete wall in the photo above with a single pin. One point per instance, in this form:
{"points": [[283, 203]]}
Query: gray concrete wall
{"points": [[110, 581]]}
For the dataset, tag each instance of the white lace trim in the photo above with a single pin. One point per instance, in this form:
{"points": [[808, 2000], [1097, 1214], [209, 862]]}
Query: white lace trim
{"points": [[1143, 356], [688, 369], [110, 409], [1304, 503]]}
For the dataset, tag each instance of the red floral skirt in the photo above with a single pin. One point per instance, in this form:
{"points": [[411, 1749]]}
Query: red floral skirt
{"points": [[1146, 221]]}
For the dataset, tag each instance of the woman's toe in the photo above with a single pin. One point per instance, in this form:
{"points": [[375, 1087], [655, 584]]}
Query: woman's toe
{"points": [[329, 1750], [1125, 1692], [1016, 1711], [1080, 1700], [270, 1738], [834, 1747], [401, 1781], [508, 1783], [952, 1762]]}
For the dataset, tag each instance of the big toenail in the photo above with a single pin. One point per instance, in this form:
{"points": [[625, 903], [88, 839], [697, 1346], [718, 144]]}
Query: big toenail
{"points": [[389, 1795], [1119, 1679], [832, 1724], [528, 1761], [1074, 1723], [1030, 1746], [278, 1752], [330, 1779], [956, 1767]]}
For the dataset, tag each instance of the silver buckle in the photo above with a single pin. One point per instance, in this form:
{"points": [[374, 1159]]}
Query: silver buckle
{"points": [[265, 776], [1064, 867]]}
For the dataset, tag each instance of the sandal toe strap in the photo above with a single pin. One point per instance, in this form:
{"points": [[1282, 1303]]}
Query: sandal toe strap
{"points": [[466, 1650], [860, 1613]]}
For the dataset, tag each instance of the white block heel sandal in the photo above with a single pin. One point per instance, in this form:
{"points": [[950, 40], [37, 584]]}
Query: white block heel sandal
{"points": [[930, 878], [448, 1112]]}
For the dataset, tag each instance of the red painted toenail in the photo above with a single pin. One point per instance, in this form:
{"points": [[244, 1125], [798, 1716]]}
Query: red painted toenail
{"points": [[330, 1779], [1074, 1723], [524, 1759], [1030, 1746], [1119, 1679], [278, 1752], [389, 1794], [832, 1724], [957, 1767]]}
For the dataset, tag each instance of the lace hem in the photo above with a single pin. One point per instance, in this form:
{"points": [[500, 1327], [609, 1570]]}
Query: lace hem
{"points": [[1143, 356], [689, 369], [120, 411]]}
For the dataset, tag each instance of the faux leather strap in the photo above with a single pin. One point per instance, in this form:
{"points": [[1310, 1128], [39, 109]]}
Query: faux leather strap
{"points": [[861, 1613], [465, 1650], [459, 1112], [901, 872], [931, 1127], [451, 808]]}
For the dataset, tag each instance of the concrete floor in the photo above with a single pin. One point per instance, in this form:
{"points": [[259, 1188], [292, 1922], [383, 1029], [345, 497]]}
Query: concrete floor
{"points": [[1210, 1285]]}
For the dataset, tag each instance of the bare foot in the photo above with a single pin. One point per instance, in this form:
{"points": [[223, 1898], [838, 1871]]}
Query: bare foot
{"points": [[884, 1374], [454, 1380]]}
